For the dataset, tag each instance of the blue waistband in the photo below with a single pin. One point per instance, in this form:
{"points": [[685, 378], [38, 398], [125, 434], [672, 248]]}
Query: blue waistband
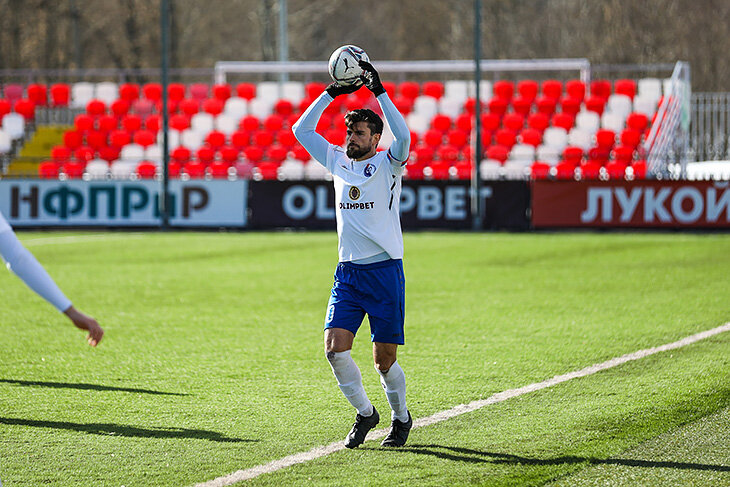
{"points": [[374, 265]]}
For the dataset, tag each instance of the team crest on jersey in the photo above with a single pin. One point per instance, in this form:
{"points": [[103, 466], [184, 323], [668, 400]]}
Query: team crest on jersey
{"points": [[368, 171], [354, 193]]}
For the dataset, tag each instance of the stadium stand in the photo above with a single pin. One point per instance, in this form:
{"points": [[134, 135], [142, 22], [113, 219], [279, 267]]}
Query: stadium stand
{"points": [[548, 128]]}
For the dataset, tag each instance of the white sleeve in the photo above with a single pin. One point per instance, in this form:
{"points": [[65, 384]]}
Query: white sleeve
{"points": [[305, 129], [25, 266], [401, 146]]}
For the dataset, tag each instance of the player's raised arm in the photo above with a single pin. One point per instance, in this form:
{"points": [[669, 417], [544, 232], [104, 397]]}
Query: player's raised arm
{"points": [[400, 148], [305, 128]]}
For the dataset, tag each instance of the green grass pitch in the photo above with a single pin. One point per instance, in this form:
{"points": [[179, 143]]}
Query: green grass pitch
{"points": [[213, 361]]}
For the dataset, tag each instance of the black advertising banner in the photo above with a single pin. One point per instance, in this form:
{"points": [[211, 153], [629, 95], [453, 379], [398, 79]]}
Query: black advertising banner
{"points": [[424, 205]]}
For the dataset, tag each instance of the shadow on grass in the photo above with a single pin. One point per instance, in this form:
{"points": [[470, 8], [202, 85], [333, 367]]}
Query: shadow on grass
{"points": [[476, 456], [111, 429], [87, 387]]}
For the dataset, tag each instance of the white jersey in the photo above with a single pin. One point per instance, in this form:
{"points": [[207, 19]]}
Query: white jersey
{"points": [[367, 193], [26, 267]]}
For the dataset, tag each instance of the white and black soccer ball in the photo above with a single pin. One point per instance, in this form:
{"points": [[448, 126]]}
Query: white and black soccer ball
{"points": [[343, 65]]}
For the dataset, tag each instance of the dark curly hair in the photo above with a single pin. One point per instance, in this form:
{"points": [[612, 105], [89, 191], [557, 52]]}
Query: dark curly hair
{"points": [[375, 123]]}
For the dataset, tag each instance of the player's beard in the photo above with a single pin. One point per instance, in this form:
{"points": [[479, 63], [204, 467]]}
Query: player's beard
{"points": [[356, 152]]}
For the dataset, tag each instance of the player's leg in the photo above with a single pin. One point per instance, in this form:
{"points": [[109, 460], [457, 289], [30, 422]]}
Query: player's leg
{"points": [[344, 316], [393, 380]]}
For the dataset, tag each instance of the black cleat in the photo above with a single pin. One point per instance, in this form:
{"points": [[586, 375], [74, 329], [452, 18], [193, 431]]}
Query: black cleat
{"points": [[398, 432], [360, 429]]}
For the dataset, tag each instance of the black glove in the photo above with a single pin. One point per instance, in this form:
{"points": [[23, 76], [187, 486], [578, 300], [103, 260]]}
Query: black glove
{"points": [[335, 89], [371, 78]]}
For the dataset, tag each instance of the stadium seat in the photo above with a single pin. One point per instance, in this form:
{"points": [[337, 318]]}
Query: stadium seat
{"points": [[538, 121], [570, 104], [498, 153], [505, 137], [60, 94], [13, 125], [96, 139], [563, 120], [144, 138], [109, 153], [434, 89], [129, 92], [530, 136], [26, 108], [199, 91], [513, 121], [580, 137], [497, 106], [546, 105], [552, 88], [616, 170], [48, 170], [180, 154], [573, 155], [630, 137], [122, 169], [268, 170], [595, 104], [605, 138], [625, 87], [73, 169], [5, 108], [96, 169], [107, 91], [119, 138], [575, 89], [527, 89], [153, 153], [146, 170], [601, 88], [73, 139], [409, 89], [590, 169], [522, 153], [612, 121], [38, 94], [81, 94], [247, 91], [194, 169], [539, 170], [457, 138], [600, 154], [176, 92], [83, 123], [442, 123], [202, 122], [548, 154], [503, 89], [189, 106], [555, 137], [213, 106], [588, 121], [83, 153], [521, 105], [490, 169], [623, 153], [637, 121], [639, 169]]}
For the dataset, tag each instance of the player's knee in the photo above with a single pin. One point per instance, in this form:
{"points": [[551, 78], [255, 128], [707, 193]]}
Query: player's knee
{"points": [[383, 364]]}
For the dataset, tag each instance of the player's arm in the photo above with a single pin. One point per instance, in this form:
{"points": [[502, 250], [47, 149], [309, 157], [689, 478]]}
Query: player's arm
{"points": [[305, 128], [22, 263], [400, 148]]}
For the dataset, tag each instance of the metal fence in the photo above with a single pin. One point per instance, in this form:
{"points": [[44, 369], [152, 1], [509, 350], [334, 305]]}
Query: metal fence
{"points": [[710, 127]]}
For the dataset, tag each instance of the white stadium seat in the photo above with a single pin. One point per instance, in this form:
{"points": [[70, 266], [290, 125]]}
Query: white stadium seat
{"points": [[97, 169], [81, 94], [14, 125], [581, 138], [315, 170], [291, 169], [613, 121], [587, 121], [226, 124], [522, 153], [650, 88], [549, 154], [132, 152], [293, 91], [202, 123], [123, 169], [418, 123], [619, 104], [153, 153], [647, 106], [5, 142], [453, 107], [426, 106], [261, 107], [191, 139], [456, 89], [556, 137], [485, 89], [107, 92], [236, 107], [268, 90]]}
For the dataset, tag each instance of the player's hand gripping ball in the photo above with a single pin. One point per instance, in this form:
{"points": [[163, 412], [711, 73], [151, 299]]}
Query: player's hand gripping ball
{"points": [[344, 65]]}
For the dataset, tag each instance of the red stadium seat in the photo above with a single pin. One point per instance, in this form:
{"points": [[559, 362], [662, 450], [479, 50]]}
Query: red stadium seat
{"points": [[513, 122], [409, 89], [229, 154], [575, 88], [153, 123], [269, 170], [213, 106], [630, 137], [531, 137], [527, 88], [84, 153], [83, 123], [457, 138], [625, 87], [142, 107], [199, 91], [284, 108], [503, 89], [505, 137], [129, 92], [565, 170], [263, 138], [274, 123], [73, 170], [640, 169], [250, 123], [215, 139], [464, 122], [175, 92], [538, 121], [601, 88], [590, 169], [60, 94], [38, 94], [573, 155], [596, 104], [598, 153], [96, 139], [13, 92], [181, 154], [26, 108], [146, 170], [194, 169], [336, 136], [546, 105], [247, 91], [131, 122], [521, 105], [491, 121], [616, 170], [463, 169], [389, 88], [222, 91], [179, 122], [539, 170], [5, 108], [605, 138], [219, 170], [276, 153], [563, 120], [189, 107], [424, 154], [570, 104], [498, 153], [205, 155], [301, 154], [109, 153], [438, 170], [552, 88], [498, 106], [433, 138], [174, 169], [152, 92], [96, 108], [48, 170], [119, 138], [441, 122], [623, 153], [403, 104], [286, 138], [240, 139], [119, 108], [73, 139], [447, 153], [637, 121], [434, 89]]}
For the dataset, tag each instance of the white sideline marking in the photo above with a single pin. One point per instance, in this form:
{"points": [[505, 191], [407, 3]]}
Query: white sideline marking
{"points": [[78, 238], [322, 451]]}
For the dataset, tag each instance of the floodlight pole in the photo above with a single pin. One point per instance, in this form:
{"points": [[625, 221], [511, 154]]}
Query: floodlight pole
{"points": [[164, 197], [476, 206]]}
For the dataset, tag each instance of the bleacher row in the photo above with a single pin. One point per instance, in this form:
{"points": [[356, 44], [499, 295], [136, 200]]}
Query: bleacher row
{"points": [[529, 128]]}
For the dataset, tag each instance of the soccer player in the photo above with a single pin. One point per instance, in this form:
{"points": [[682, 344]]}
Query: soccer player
{"points": [[369, 276], [26, 267]]}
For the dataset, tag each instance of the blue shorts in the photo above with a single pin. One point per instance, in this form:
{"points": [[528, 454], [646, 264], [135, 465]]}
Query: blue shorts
{"points": [[377, 289]]}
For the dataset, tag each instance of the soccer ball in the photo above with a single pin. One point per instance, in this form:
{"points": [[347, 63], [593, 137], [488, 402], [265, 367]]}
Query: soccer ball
{"points": [[343, 66]]}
